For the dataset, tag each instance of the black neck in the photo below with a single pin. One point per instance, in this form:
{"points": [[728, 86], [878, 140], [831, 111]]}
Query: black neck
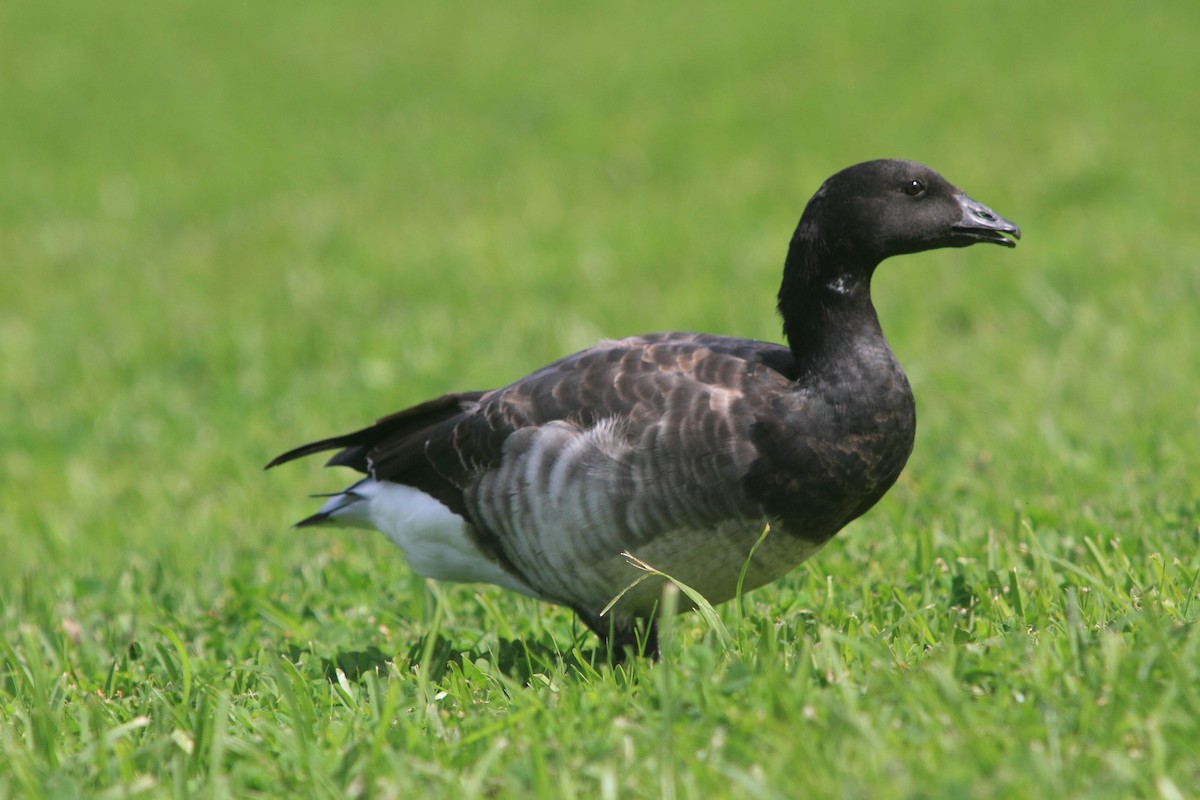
{"points": [[825, 309]]}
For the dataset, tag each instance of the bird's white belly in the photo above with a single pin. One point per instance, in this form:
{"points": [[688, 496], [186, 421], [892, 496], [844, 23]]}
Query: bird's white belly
{"points": [[435, 540]]}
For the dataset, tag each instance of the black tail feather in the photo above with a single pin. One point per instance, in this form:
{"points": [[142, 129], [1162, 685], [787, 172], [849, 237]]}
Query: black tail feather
{"points": [[319, 518], [314, 447], [357, 445]]}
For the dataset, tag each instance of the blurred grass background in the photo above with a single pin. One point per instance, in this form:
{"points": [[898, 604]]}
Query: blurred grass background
{"points": [[226, 229]]}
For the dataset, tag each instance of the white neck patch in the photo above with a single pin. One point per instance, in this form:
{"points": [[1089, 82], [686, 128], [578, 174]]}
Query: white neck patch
{"points": [[842, 284]]}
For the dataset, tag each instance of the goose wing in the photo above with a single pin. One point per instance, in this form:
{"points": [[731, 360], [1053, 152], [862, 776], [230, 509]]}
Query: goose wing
{"points": [[641, 445]]}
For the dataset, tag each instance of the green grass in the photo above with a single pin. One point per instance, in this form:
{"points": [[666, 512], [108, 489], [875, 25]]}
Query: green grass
{"points": [[227, 229]]}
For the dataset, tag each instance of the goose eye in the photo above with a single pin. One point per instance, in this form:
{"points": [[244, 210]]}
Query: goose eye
{"points": [[914, 187]]}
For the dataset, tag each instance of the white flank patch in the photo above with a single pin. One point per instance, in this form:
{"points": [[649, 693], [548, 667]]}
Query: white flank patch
{"points": [[434, 539]]}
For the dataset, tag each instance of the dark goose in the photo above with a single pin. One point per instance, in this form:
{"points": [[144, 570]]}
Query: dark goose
{"points": [[676, 447]]}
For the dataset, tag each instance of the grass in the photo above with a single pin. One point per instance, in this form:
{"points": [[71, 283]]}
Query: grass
{"points": [[229, 229]]}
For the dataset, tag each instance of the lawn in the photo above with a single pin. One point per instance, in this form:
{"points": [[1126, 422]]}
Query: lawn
{"points": [[226, 229]]}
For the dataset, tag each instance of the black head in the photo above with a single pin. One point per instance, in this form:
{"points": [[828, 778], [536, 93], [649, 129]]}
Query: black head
{"points": [[859, 217], [889, 207]]}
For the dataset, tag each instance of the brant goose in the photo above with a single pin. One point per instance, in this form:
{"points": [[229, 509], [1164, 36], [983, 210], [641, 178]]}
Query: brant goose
{"points": [[677, 448]]}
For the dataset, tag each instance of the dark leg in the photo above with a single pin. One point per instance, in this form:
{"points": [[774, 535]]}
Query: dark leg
{"points": [[622, 636]]}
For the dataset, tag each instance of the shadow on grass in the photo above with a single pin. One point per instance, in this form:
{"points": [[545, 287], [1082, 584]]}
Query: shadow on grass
{"points": [[516, 658]]}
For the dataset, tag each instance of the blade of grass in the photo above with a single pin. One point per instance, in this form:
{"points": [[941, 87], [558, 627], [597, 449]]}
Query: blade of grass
{"points": [[707, 612]]}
